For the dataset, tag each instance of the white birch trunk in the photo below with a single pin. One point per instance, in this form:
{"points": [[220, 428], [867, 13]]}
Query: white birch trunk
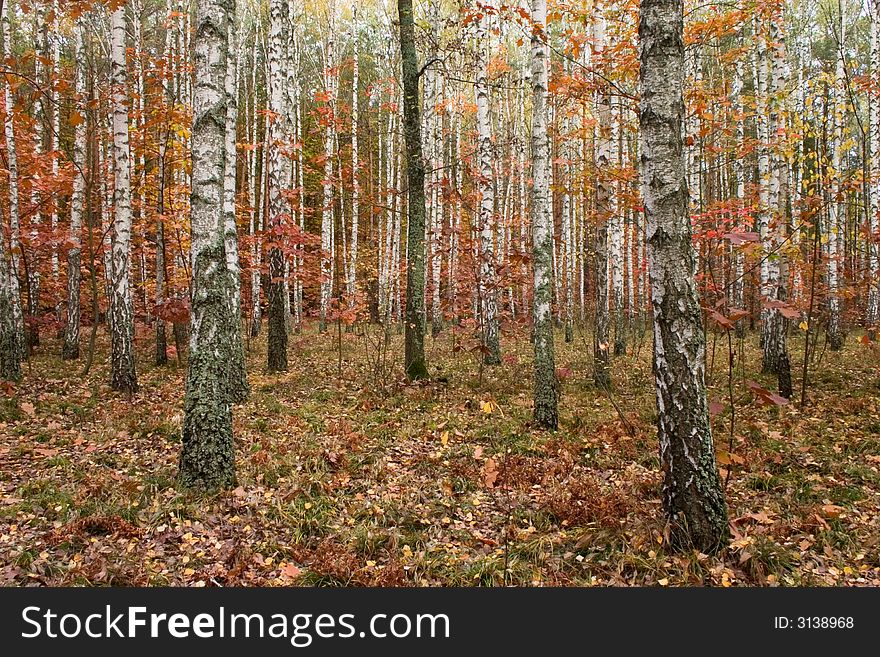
{"points": [[277, 143], [873, 315], [355, 164], [123, 375], [70, 349], [488, 291], [327, 228], [19, 344], [207, 460], [836, 208], [546, 386]]}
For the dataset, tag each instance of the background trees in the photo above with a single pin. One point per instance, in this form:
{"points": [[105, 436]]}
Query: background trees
{"points": [[469, 158]]}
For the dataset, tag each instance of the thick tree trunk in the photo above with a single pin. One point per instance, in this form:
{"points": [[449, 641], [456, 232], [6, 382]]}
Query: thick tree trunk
{"points": [[546, 391], [414, 341], [123, 376], [692, 496], [207, 461]]}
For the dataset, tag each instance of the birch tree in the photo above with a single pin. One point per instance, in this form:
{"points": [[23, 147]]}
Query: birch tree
{"points": [[873, 315], [488, 287], [775, 358], [123, 376], [70, 349], [207, 460], [692, 495], [238, 385], [604, 201], [837, 204], [330, 81], [351, 283], [279, 176], [739, 167], [546, 391], [14, 291], [414, 336]]}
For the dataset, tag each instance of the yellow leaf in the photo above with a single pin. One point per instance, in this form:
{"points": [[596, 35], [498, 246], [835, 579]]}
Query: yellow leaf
{"points": [[803, 326], [444, 438], [486, 406]]}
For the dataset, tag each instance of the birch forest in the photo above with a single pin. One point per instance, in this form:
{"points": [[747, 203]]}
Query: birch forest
{"points": [[440, 293]]}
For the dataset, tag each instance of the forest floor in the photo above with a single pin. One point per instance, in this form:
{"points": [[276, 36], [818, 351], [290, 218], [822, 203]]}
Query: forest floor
{"points": [[361, 479]]}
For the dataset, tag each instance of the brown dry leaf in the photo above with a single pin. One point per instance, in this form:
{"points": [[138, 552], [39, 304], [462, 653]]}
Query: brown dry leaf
{"points": [[490, 472], [832, 510], [289, 571]]}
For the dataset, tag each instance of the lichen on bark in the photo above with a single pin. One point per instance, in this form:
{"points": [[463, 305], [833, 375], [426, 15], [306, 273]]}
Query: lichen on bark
{"points": [[692, 496], [207, 461]]}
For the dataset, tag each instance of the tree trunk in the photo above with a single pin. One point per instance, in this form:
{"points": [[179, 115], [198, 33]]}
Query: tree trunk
{"points": [[740, 174], [70, 349], [207, 461], [837, 205], [692, 496], [414, 341], [488, 285], [20, 343], [546, 391], [277, 177], [615, 236], [873, 315], [351, 283], [237, 372], [123, 376], [776, 358], [330, 78], [604, 205]]}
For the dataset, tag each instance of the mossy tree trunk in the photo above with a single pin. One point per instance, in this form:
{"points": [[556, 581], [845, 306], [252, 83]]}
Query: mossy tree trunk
{"points": [[414, 339], [207, 461], [692, 495]]}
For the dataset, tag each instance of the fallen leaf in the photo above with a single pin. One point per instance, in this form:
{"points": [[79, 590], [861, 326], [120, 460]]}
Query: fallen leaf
{"points": [[490, 472]]}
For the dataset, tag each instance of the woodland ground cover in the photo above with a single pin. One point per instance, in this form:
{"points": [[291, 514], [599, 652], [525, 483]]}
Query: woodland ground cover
{"points": [[363, 479]]}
